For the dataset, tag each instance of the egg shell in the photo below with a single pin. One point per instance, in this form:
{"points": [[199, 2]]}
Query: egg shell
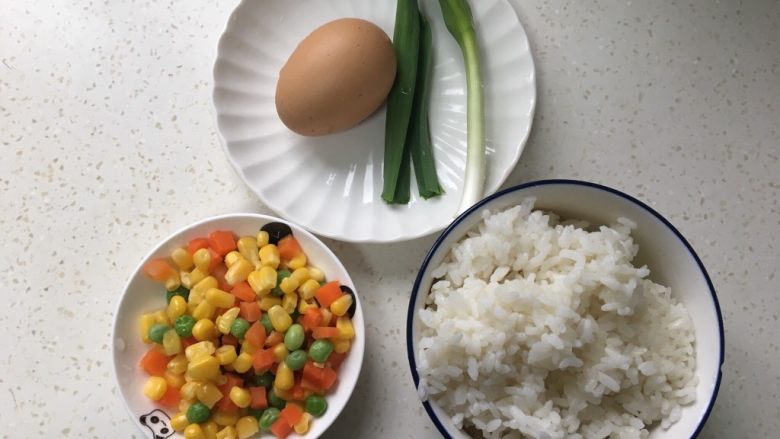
{"points": [[338, 75]]}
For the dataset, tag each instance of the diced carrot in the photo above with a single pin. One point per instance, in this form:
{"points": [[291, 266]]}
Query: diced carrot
{"points": [[281, 429], [312, 386], [259, 398], [263, 359], [255, 335], [328, 293], [288, 248], [229, 339], [274, 338], [335, 360], [232, 380], [291, 413], [171, 398], [311, 319], [222, 241], [298, 393], [274, 368], [187, 342], [216, 261], [244, 292], [225, 404], [154, 362], [250, 311], [158, 269], [197, 244], [219, 274], [325, 332], [329, 377], [312, 373]]}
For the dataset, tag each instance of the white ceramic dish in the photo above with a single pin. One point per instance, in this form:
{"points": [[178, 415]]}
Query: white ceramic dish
{"points": [[331, 185], [672, 262], [142, 295]]}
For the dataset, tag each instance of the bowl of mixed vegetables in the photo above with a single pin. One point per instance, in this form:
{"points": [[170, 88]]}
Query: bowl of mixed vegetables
{"points": [[238, 326]]}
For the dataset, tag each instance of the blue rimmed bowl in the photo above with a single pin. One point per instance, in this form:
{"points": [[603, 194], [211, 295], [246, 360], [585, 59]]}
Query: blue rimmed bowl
{"points": [[671, 259]]}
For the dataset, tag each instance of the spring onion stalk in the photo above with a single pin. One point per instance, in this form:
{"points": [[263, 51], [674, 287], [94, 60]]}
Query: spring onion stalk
{"points": [[406, 40], [457, 17], [419, 138]]}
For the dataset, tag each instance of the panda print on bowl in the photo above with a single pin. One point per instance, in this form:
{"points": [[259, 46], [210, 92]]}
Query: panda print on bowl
{"points": [[158, 422]]}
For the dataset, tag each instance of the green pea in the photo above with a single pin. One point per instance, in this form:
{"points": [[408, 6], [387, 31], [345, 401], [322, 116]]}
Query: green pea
{"points": [[280, 275], [181, 291], [239, 328], [265, 380], [320, 350], [183, 325], [316, 405], [257, 413], [296, 360], [157, 331], [275, 401], [269, 416], [294, 337], [266, 322], [198, 413]]}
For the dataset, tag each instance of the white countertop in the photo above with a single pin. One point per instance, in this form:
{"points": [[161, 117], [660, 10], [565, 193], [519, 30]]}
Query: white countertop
{"points": [[109, 144]]}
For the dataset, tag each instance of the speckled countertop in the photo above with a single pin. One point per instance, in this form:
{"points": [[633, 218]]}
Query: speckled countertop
{"points": [[108, 144]]}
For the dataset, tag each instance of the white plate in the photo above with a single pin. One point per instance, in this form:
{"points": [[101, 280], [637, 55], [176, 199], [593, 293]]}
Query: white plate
{"points": [[331, 185]]}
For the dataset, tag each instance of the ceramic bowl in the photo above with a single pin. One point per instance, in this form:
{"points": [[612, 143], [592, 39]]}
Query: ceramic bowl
{"points": [[142, 295], [670, 258]]}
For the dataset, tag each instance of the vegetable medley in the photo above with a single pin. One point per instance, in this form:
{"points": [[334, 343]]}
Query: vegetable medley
{"points": [[251, 339]]}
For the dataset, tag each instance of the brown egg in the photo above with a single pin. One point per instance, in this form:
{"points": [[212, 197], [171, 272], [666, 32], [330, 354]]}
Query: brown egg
{"points": [[336, 77]]}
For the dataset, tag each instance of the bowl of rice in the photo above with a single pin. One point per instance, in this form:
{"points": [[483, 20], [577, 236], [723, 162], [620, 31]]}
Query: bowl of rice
{"points": [[564, 309]]}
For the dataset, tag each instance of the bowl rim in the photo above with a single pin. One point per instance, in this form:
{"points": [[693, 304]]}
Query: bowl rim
{"points": [[161, 243], [550, 182]]}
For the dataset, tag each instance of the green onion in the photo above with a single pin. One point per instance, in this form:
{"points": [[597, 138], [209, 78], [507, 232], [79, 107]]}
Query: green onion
{"points": [[419, 137], [406, 40], [457, 17]]}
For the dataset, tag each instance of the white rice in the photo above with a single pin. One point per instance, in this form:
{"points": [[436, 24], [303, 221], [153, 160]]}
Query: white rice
{"points": [[538, 328]]}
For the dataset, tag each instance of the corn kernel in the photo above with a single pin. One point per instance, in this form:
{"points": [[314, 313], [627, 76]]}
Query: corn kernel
{"points": [[204, 330], [247, 246], [203, 368], [288, 285], [189, 391], [246, 427], [262, 280], [225, 418], [238, 271], [280, 352], [161, 316], [279, 318], [269, 256], [219, 298], [240, 397], [284, 394], [326, 316], [182, 258], [345, 327], [289, 301], [173, 380], [269, 302], [231, 258], [145, 322], [226, 354], [202, 259], [341, 346], [155, 388], [171, 342], [249, 348], [177, 364], [308, 289], [262, 239], [198, 292], [179, 422], [340, 306], [228, 432], [302, 426], [242, 363], [301, 275], [210, 429], [284, 376], [221, 380], [316, 274], [208, 394], [304, 305], [225, 321], [184, 405], [298, 261], [193, 431], [173, 282], [201, 349], [204, 310], [192, 278], [176, 307]]}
